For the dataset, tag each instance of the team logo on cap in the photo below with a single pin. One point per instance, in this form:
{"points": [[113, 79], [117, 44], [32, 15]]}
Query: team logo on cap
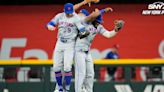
{"points": [[69, 8]]}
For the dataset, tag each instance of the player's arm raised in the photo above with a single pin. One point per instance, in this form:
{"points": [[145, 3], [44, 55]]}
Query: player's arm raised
{"points": [[96, 13], [109, 34], [77, 6], [53, 23]]}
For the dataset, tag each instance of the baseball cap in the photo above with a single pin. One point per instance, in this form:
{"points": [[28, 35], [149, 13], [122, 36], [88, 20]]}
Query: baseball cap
{"points": [[68, 8], [99, 19], [84, 11]]}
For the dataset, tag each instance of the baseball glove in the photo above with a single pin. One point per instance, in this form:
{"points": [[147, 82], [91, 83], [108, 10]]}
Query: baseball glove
{"points": [[118, 25]]}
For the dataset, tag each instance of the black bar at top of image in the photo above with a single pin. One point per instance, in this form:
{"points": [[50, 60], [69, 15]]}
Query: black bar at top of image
{"points": [[42, 2]]}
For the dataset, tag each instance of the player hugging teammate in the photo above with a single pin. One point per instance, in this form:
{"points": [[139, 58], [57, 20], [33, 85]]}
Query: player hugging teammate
{"points": [[75, 35]]}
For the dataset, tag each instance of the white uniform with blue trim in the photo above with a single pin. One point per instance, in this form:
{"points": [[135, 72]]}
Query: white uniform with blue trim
{"points": [[84, 68], [67, 33]]}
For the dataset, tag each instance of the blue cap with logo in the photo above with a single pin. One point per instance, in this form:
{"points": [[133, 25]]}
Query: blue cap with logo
{"points": [[99, 19], [84, 11], [68, 8]]}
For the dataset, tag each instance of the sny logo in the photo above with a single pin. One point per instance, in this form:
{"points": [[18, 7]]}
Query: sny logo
{"points": [[157, 8], [156, 5]]}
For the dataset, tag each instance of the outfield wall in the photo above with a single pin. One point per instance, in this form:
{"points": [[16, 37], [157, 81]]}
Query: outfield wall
{"points": [[120, 86]]}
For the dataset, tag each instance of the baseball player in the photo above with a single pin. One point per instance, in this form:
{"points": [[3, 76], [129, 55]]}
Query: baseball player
{"points": [[84, 69], [89, 18], [68, 26]]}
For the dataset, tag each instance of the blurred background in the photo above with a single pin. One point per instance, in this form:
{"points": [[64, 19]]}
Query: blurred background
{"points": [[23, 36]]}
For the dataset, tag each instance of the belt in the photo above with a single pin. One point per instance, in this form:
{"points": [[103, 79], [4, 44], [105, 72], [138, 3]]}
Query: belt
{"points": [[66, 40], [86, 52]]}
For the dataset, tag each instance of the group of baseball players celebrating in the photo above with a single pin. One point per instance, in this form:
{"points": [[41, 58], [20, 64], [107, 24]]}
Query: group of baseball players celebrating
{"points": [[76, 32]]}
